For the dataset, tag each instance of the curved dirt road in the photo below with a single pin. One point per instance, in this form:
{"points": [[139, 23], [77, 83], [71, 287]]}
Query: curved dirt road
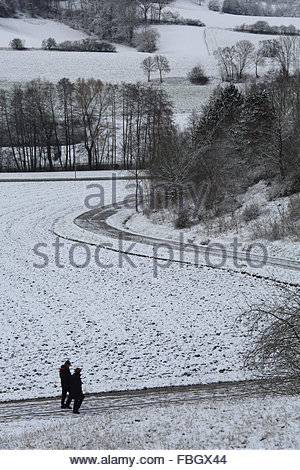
{"points": [[96, 221]]}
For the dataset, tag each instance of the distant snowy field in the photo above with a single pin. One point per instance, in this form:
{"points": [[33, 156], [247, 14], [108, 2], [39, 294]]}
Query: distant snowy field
{"points": [[185, 46], [127, 329]]}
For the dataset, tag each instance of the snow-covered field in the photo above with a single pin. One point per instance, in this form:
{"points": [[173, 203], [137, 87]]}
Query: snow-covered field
{"points": [[235, 423], [191, 9], [127, 329], [185, 46]]}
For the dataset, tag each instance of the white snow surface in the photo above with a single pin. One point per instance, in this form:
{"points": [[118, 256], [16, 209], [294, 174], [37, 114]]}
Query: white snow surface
{"points": [[252, 422], [124, 327]]}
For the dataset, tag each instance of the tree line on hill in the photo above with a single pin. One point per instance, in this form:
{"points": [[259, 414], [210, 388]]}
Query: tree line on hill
{"points": [[235, 61], [256, 7], [263, 27]]}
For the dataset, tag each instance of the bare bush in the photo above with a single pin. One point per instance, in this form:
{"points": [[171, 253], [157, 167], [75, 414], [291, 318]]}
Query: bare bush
{"points": [[17, 44], [285, 224], [251, 212], [183, 219], [197, 76], [146, 40], [274, 328], [49, 44], [214, 5]]}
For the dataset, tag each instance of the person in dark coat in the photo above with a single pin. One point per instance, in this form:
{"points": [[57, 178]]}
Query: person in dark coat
{"points": [[65, 378], [76, 390]]}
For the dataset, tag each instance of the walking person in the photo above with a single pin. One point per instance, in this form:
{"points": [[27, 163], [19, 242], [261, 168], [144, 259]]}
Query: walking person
{"points": [[65, 378], [76, 390]]}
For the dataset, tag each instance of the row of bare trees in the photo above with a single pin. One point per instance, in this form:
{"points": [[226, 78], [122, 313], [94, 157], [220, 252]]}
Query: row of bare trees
{"points": [[257, 7], [41, 124], [283, 53]]}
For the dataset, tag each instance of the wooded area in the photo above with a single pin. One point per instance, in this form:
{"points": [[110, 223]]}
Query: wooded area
{"points": [[41, 123]]}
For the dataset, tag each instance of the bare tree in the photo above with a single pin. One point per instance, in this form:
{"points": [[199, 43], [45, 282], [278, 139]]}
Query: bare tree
{"points": [[149, 65], [94, 99], [225, 58], [283, 52], [49, 44], [259, 61], [65, 90], [275, 332], [234, 60], [243, 56], [162, 65], [17, 44], [145, 6], [161, 5]]}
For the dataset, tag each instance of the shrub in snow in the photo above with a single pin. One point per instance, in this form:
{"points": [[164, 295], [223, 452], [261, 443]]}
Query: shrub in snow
{"points": [[214, 5], [17, 44], [233, 7], [191, 22], [197, 76], [274, 328], [146, 40], [251, 212], [263, 27], [170, 17], [183, 219], [49, 44], [86, 45]]}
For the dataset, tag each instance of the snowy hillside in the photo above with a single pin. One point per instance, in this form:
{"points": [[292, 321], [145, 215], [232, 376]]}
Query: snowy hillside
{"points": [[213, 19], [127, 329], [184, 46], [33, 31]]}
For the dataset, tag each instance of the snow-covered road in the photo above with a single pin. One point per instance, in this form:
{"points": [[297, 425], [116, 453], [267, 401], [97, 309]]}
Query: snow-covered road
{"points": [[97, 221], [95, 404]]}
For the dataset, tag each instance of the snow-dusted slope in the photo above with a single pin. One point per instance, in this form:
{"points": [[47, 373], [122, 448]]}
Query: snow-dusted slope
{"points": [[185, 46], [33, 31], [126, 328], [191, 9]]}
